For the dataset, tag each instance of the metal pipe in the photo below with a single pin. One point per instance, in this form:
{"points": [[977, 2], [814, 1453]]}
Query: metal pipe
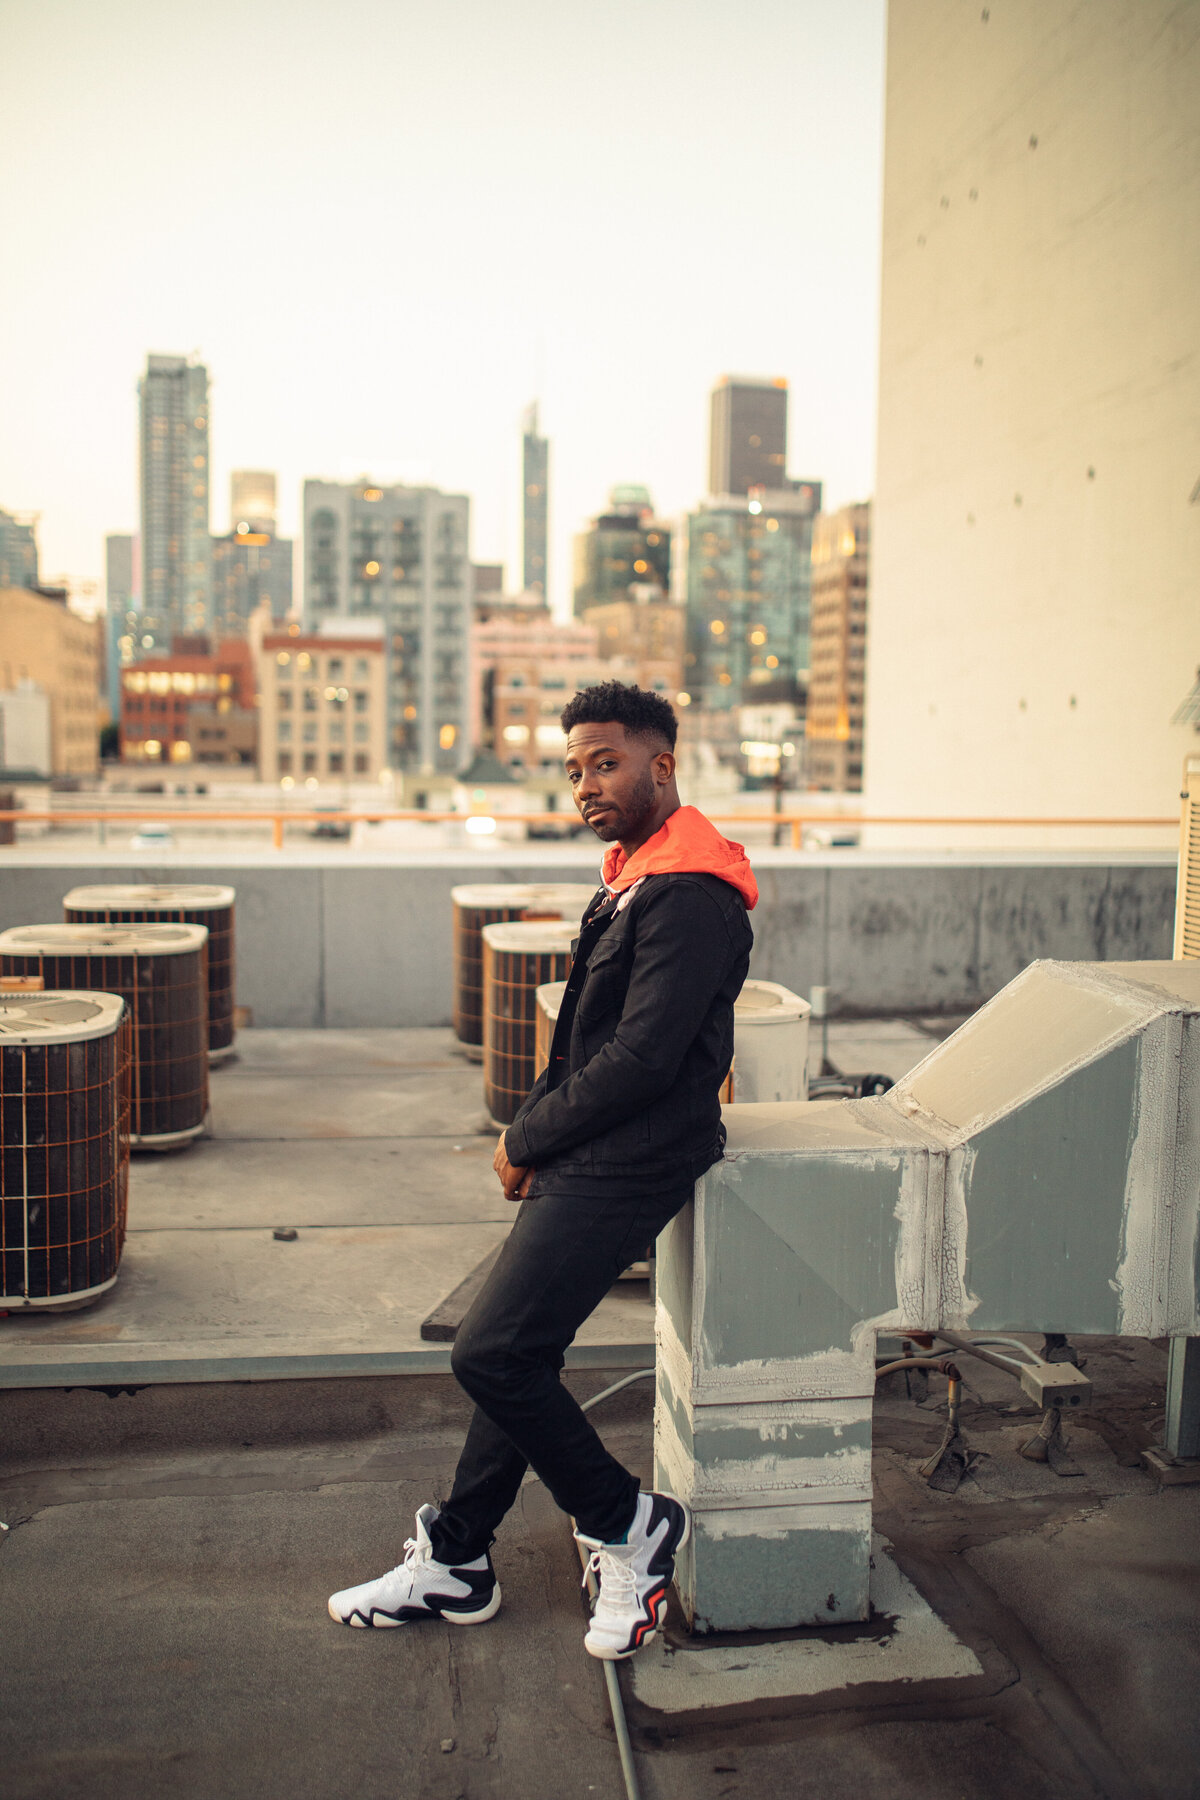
{"points": [[615, 1705], [1009, 1364], [612, 1685], [942, 1364]]}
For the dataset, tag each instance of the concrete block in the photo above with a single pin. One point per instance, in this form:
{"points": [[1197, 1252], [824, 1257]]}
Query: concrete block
{"points": [[1071, 912], [903, 939], [776, 1567], [791, 927], [277, 934]]}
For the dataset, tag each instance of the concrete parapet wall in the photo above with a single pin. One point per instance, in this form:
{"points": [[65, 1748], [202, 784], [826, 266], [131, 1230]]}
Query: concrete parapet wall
{"points": [[335, 940]]}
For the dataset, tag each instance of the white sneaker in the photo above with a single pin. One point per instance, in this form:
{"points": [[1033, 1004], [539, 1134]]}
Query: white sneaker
{"points": [[634, 1577], [420, 1588]]}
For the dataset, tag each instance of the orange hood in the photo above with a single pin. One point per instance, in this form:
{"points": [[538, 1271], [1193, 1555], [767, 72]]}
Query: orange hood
{"points": [[687, 844]]}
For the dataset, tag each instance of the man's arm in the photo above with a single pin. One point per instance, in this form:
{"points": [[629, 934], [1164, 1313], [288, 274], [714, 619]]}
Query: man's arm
{"points": [[681, 957]]}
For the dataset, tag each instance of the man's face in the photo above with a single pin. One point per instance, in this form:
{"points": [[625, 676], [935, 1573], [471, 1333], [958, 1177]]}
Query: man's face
{"points": [[612, 777]]}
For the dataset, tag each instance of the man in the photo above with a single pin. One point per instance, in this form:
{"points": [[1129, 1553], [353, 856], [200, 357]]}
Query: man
{"points": [[602, 1155]]}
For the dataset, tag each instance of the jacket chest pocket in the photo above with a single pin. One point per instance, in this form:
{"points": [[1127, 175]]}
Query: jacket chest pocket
{"points": [[607, 975]]}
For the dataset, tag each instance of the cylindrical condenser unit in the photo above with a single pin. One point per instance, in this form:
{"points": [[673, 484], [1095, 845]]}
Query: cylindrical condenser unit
{"points": [[770, 1040], [548, 999], [64, 1147], [184, 903], [158, 970], [770, 1044], [496, 903], [518, 958]]}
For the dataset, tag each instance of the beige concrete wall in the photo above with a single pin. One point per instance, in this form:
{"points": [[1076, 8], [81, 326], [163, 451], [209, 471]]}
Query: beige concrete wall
{"points": [[44, 641], [1035, 605]]}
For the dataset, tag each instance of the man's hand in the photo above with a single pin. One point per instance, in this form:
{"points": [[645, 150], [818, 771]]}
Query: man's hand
{"points": [[514, 1181]]}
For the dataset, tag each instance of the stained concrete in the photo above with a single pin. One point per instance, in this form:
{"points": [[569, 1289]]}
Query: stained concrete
{"points": [[365, 1143], [165, 1627], [335, 937]]}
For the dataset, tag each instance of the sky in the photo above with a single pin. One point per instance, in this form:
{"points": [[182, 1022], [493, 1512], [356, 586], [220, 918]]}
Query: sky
{"points": [[386, 228]]}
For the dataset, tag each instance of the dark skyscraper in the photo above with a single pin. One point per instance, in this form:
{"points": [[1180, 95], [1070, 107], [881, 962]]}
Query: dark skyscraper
{"points": [[535, 502], [747, 444]]}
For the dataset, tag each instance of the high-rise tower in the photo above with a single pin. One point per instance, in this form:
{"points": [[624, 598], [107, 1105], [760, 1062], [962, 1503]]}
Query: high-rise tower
{"points": [[175, 555], [747, 445], [535, 502]]}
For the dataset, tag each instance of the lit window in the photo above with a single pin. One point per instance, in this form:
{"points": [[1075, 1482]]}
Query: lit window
{"points": [[683, 699], [372, 494], [284, 658], [410, 712], [758, 635], [197, 462], [516, 734], [640, 568], [772, 662], [772, 524], [717, 628], [371, 570], [447, 735], [152, 747], [724, 678], [304, 660]]}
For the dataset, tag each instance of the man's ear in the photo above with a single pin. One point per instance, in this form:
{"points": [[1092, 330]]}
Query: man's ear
{"points": [[664, 767]]}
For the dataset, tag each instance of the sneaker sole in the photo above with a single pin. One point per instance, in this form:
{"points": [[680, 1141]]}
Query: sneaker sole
{"points": [[381, 1622]]}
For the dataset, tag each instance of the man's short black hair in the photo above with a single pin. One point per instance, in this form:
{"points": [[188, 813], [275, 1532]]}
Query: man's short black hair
{"points": [[642, 713]]}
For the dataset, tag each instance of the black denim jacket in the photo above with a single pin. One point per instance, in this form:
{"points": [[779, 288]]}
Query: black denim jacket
{"points": [[644, 1040]]}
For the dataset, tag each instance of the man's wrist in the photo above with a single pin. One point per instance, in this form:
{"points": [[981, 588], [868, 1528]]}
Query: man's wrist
{"points": [[515, 1147]]}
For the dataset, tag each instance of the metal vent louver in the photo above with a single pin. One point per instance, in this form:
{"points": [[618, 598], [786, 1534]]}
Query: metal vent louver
{"points": [[1187, 899]]}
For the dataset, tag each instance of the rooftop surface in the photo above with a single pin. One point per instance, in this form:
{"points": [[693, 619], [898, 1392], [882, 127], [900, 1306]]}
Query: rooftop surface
{"points": [[177, 1521]]}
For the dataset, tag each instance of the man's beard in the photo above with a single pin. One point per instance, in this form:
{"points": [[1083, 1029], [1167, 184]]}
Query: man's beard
{"points": [[638, 808]]}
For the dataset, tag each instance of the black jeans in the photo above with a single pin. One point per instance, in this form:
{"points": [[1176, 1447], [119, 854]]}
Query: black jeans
{"points": [[560, 1259]]}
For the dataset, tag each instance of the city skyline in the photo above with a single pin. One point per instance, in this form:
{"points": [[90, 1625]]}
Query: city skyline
{"points": [[367, 318]]}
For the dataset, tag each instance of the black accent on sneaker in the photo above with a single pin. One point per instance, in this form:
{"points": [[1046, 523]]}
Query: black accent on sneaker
{"points": [[663, 1560]]}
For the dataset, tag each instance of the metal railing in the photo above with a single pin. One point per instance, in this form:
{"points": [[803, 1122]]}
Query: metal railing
{"points": [[797, 823]]}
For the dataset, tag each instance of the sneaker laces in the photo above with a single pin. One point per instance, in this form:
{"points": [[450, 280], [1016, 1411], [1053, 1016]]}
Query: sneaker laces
{"points": [[413, 1554], [617, 1577]]}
